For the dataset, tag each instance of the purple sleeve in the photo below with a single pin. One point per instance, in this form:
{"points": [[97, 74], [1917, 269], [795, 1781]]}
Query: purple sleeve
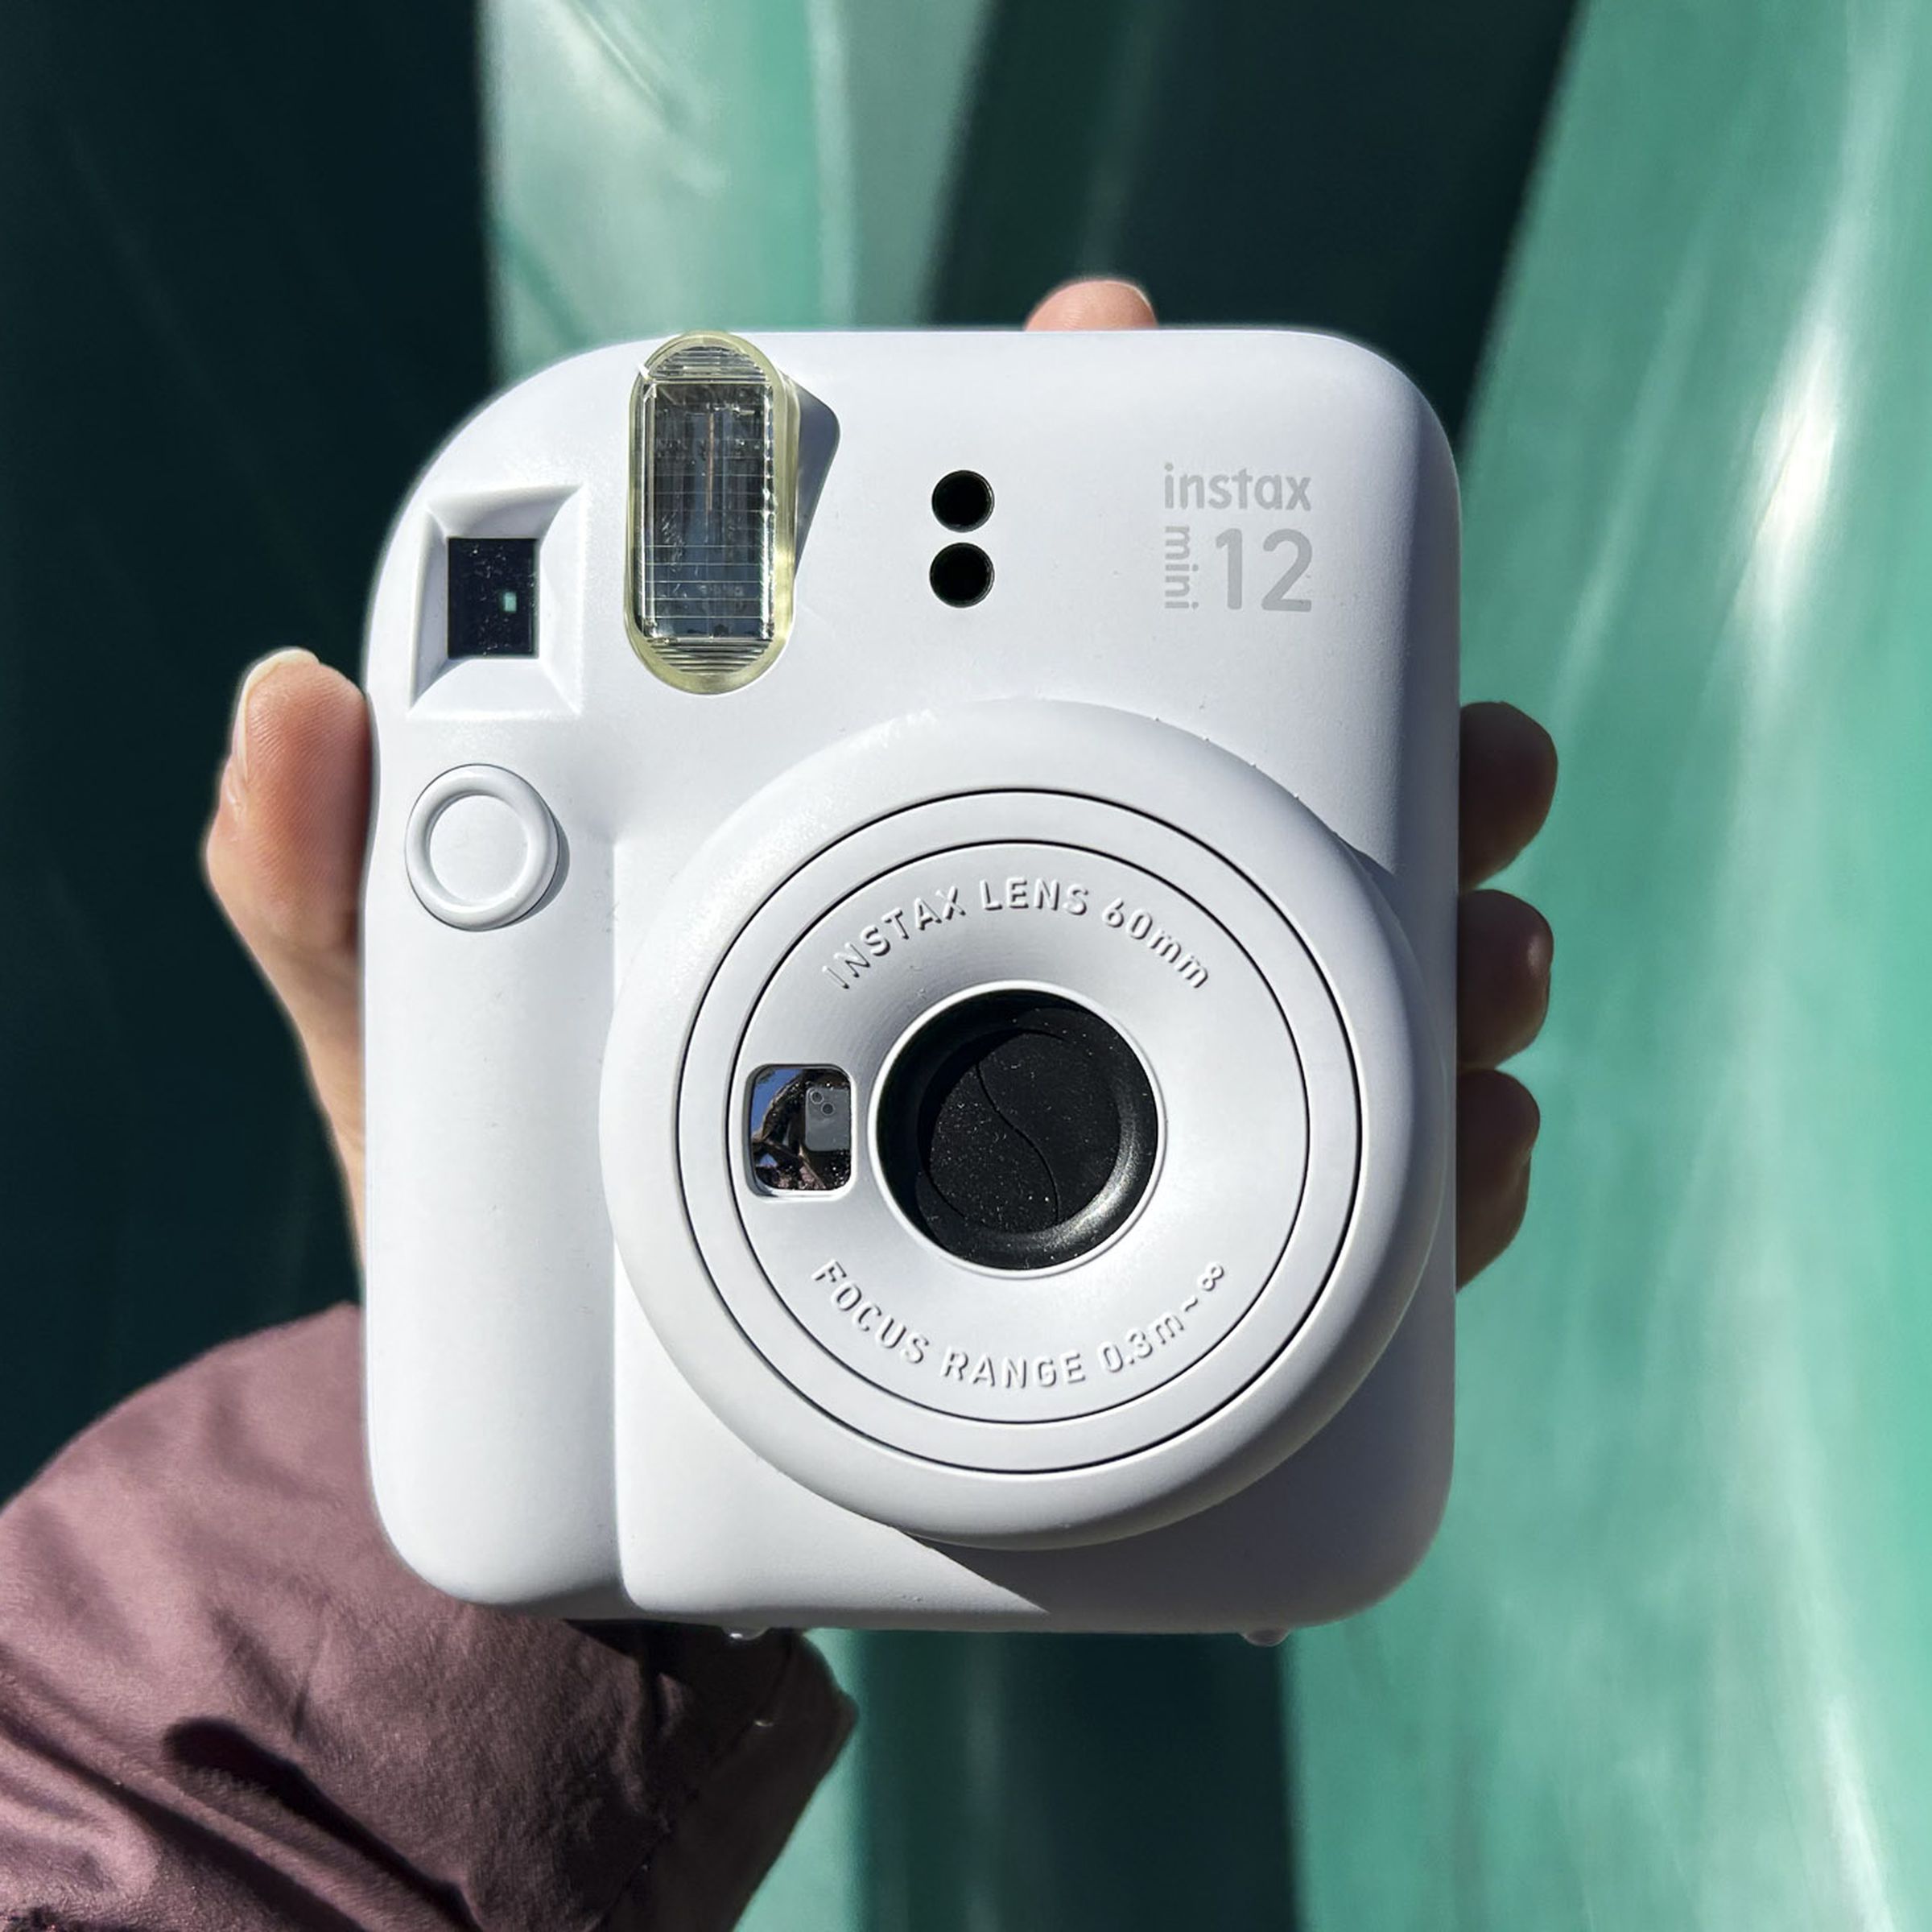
{"points": [[225, 1704]]}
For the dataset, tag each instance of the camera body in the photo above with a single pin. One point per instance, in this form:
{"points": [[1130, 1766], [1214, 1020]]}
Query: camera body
{"points": [[909, 1079]]}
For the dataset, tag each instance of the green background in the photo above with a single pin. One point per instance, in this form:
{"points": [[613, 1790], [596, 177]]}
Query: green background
{"points": [[1668, 1664]]}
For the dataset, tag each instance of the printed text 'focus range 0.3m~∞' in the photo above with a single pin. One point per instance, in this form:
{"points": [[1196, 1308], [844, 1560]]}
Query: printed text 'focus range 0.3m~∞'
{"points": [[909, 941]]}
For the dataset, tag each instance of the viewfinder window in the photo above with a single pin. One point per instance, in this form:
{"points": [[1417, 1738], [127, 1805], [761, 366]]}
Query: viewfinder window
{"points": [[492, 596]]}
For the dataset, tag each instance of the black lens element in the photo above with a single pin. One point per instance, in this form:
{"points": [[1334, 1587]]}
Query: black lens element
{"points": [[1016, 1129], [962, 573], [962, 499]]}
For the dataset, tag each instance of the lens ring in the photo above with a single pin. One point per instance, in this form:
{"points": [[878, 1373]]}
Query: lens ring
{"points": [[771, 1349], [1199, 1209]]}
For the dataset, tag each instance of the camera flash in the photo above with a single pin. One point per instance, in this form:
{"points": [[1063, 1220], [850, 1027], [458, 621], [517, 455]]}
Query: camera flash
{"points": [[713, 509]]}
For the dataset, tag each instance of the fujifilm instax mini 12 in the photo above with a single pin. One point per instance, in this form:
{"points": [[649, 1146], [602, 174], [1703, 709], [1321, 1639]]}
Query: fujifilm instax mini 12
{"points": [[910, 984]]}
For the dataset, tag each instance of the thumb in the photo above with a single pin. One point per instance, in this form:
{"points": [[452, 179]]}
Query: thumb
{"points": [[283, 855], [1097, 302]]}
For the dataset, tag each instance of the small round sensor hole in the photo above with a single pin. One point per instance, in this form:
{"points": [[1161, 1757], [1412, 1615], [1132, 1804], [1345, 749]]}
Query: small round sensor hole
{"points": [[962, 573], [963, 499]]}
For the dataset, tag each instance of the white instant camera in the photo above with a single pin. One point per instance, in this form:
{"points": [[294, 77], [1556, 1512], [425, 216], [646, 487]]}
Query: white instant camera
{"points": [[909, 941]]}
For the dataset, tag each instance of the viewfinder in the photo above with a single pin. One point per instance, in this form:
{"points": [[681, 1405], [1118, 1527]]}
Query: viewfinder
{"points": [[492, 596]]}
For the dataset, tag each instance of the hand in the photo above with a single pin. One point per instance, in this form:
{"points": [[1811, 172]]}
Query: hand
{"points": [[284, 857]]}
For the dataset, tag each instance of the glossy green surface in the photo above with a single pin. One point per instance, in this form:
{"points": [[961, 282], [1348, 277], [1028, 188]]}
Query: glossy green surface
{"points": [[656, 166], [1671, 1662]]}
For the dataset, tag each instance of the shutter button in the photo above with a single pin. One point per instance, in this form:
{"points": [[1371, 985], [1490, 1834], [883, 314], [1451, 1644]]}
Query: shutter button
{"points": [[481, 848]]}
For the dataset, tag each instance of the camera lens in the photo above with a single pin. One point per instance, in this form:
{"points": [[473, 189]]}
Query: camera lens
{"points": [[962, 499], [1016, 1129], [961, 575]]}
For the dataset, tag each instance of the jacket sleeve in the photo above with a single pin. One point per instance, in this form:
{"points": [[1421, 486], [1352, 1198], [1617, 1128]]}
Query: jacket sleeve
{"points": [[225, 1704]]}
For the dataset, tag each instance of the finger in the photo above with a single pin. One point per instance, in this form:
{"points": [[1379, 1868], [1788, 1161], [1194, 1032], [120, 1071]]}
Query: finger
{"points": [[1503, 952], [1497, 1122], [1509, 779], [283, 855], [1098, 302]]}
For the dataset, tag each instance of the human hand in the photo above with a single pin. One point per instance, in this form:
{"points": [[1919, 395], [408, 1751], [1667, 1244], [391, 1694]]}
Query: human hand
{"points": [[283, 855]]}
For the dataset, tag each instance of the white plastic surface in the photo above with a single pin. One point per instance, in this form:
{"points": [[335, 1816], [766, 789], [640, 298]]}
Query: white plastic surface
{"points": [[534, 1438]]}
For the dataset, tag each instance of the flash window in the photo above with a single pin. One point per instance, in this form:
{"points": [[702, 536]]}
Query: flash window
{"points": [[714, 494]]}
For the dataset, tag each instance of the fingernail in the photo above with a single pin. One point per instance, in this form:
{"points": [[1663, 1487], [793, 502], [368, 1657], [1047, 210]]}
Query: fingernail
{"points": [[259, 673], [1535, 1128], [1125, 284]]}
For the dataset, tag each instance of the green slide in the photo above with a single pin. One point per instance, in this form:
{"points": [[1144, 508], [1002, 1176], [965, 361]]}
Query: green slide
{"points": [[1670, 1664]]}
